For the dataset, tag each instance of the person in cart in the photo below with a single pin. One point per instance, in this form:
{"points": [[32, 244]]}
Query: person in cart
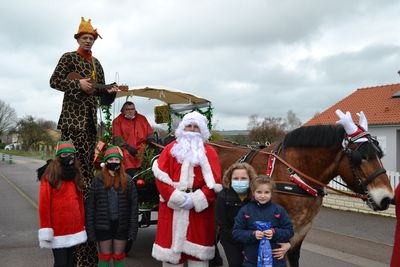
{"points": [[132, 131]]}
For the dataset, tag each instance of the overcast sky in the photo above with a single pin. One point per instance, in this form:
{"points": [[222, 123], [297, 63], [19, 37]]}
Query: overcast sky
{"points": [[247, 57]]}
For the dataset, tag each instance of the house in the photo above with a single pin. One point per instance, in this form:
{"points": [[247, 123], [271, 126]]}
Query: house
{"points": [[381, 105]]}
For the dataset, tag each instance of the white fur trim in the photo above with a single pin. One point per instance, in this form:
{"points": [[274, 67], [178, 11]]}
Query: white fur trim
{"points": [[167, 264], [199, 200], [65, 241], [199, 251], [187, 176], [176, 199], [165, 254], [197, 263], [189, 248], [161, 199], [209, 177], [180, 224], [161, 175], [194, 118], [218, 188], [46, 234]]}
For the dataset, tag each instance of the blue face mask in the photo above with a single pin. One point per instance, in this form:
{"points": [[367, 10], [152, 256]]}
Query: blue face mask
{"points": [[240, 186]]}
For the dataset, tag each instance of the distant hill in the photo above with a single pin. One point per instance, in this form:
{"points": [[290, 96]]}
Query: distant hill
{"points": [[233, 132]]}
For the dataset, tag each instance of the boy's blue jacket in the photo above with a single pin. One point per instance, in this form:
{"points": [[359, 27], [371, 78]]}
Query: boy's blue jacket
{"points": [[244, 228]]}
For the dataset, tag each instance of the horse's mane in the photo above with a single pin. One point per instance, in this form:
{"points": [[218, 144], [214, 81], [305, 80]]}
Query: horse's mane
{"points": [[315, 136]]}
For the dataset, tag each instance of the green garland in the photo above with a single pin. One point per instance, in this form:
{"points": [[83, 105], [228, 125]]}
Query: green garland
{"points": [[107, 136], [208, 113]]}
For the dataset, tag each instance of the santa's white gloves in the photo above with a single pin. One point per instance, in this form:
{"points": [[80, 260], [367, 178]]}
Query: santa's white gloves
{"points": [[362, 120], [188, 203], [346, 121]]}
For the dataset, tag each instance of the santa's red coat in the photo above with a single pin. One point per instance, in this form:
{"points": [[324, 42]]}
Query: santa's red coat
{"points": [[186, 231], [61, 215], [395, 262], [135, 133]]}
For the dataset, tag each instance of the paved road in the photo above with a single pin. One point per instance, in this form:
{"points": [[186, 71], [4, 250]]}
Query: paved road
{"points": [[337, 238]]}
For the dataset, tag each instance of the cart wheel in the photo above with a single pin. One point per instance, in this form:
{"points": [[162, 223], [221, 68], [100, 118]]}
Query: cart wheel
{"points": [[128, 246]]}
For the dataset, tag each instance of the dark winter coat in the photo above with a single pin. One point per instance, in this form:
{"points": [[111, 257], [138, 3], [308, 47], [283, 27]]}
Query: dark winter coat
{"points": [[97, 210], [244, 228], [226, 208]]}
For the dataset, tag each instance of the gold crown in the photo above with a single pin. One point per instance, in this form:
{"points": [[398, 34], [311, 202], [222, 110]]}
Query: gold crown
{"points": [[86, 27]]}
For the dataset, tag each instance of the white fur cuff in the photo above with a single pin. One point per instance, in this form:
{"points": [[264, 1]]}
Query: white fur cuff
{"points": [[217, 188], [176, 199], [165, 254], [46, 234], [199, 200]]}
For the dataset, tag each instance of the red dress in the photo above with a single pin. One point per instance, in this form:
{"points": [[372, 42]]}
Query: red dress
{"points": [[135, 133], [179, 231], [61, 215], [395, 262]]}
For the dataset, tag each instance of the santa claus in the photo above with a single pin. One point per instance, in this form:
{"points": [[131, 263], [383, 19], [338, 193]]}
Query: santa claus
{"points": [[188, 176]]}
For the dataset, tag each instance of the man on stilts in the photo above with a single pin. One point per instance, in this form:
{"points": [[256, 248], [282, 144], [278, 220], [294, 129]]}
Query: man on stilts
{"points": [[78, 119]]}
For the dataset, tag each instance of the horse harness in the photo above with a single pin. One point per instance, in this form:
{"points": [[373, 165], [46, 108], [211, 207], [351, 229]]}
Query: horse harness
{"points": [[296, 187], [355, 157]]}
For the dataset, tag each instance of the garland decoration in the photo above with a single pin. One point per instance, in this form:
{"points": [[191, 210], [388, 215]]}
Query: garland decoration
{"points": [[208, 113], [107, 136]]}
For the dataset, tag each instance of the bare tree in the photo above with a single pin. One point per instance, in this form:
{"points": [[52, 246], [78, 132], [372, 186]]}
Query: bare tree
{"points": [[292, 121], [269, 130], [8, 117], [253, 121], [46, 124]]}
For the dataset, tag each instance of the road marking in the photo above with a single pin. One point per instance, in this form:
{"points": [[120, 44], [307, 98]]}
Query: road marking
{"points": [[342, 256], [30, 200]]}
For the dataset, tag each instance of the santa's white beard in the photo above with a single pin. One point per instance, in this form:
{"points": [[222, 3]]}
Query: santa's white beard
{"points": [[189, 147]]}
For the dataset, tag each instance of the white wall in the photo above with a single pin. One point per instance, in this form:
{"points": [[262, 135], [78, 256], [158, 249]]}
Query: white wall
{"points": [[387, 135]]}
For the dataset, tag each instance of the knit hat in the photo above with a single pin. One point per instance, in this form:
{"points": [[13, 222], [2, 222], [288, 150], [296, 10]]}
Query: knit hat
{"points": [[197, 119], [86, 27], [65, 147], [113, 151]]}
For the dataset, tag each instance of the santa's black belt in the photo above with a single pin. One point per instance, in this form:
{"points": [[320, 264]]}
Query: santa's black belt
{"points": [[189, 190]]}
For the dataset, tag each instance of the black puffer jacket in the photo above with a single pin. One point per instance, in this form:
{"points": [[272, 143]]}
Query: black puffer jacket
{"points": [[96, 209], [227, 207]]}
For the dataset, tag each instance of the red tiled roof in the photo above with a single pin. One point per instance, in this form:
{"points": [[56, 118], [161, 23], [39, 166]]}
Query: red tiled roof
{"points": [[376, 102]]}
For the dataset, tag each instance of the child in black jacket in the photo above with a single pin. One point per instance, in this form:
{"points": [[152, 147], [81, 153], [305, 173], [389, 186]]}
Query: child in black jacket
{"points": [[261, 209], [112, 209]]}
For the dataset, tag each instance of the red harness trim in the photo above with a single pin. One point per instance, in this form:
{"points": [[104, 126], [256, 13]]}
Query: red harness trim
{"points": [[294, 177], [270, 165], [297, 180]]}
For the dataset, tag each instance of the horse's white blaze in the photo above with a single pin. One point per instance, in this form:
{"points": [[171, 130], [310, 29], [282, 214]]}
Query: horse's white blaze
{"points": [[378, 194]]}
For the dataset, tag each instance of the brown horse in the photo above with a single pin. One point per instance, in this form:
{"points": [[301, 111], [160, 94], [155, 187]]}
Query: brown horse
{"points": [[321, 152]]}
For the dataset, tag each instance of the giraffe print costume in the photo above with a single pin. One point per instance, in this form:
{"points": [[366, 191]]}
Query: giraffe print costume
{"points": [[78, 122]]}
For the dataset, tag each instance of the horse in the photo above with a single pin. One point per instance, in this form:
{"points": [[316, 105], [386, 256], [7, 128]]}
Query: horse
{"points": [[316, 154]]}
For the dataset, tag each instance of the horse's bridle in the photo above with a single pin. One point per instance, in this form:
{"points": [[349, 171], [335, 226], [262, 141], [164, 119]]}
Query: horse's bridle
{"points": [[355, 158]]}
